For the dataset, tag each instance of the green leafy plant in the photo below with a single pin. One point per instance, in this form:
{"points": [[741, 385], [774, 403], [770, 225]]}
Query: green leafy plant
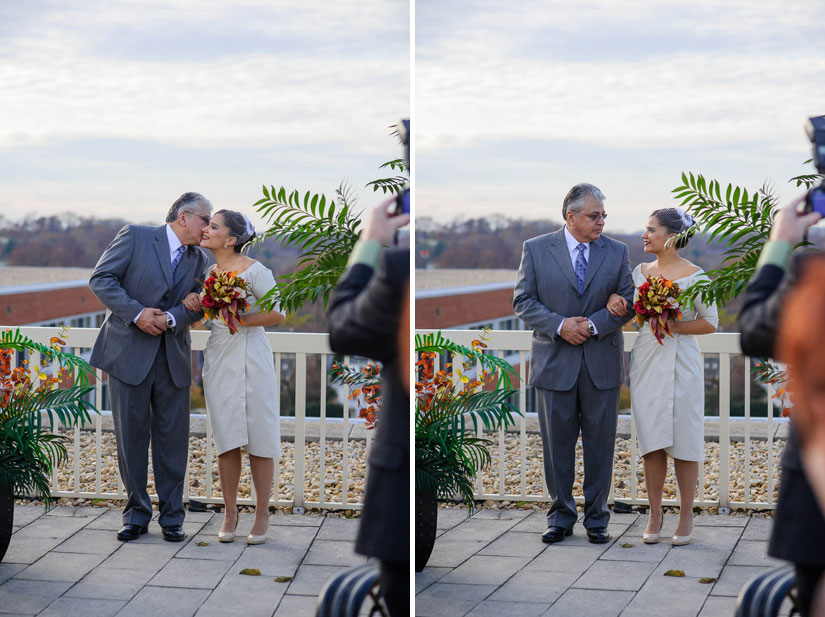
{"points": [[741, 219], [29, 449], [323, 229], [448, 452]]}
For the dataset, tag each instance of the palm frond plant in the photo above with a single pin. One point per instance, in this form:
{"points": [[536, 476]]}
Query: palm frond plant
{"points": [[324, 230], [742, 220], [29, 448]]}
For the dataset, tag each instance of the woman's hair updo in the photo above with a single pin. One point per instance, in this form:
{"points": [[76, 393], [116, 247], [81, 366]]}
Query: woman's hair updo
{"points": [[675, 221], [239, 227]]}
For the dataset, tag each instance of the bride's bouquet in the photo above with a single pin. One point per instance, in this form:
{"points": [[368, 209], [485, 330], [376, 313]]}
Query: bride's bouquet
{"points": [[224, 297], [656, 302]]}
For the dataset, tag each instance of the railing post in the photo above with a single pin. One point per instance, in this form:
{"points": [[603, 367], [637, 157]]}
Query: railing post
{"points": [[300, 430], [724, 432]]}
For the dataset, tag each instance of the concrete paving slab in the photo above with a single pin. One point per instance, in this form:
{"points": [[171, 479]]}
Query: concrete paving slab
{"points": [[453, 554], [718, 606], [752, 553], [8, 570], [683, 597], [715, 520], [252, 596], [207, 547], [296, 606], [565, 558], [270, 561], [54, 527], [111, 584], [94, 541], [615, 575], [191, 573], [442, 599], [428, 576], [28, 550], [309, 580], [486, 570], [524, 587], [758, 529], [535, 522], [83, 607], [501, 514], [25, 514], [111, 520], [76, 511], [139, 556], [477, 530], [513, 544], [491, 608], [450, 517], [333, 553], [296, 520], [703, 563], [338, 529], [590, 603], [299, 538], [165, 602], [29, 597], [733, 578], [653, 553], [63, 567]]}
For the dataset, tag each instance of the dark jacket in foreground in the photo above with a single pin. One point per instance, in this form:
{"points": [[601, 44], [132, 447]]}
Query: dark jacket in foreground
{"points": [[363, 320], [799, 527]]}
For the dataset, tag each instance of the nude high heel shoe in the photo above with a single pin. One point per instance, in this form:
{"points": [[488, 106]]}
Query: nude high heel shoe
{"points": [[229, 536], [260, 539], [653, 538], [682, 540]]}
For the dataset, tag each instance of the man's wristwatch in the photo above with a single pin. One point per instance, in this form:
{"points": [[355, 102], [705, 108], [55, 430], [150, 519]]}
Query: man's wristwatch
{"points": [[591, 327], [169, 321]]}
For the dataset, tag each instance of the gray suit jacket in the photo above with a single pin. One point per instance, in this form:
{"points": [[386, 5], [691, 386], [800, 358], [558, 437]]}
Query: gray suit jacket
{"points": [[133, 273], [546, 293]]}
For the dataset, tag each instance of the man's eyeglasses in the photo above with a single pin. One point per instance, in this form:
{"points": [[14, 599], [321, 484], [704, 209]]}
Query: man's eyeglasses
{"points": [[205, 219], [593, 217]]}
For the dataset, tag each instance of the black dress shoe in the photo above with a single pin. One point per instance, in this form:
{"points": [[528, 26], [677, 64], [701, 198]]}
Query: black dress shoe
{"points": [[556, 534], [598, 535], [173, 533], [131, 532]]}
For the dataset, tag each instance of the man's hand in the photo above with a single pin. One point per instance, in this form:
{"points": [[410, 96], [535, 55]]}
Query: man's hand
{"points": [[381, 225], [574, 330], [789, 226], [152, 321], [617, 306], [192, 302]]}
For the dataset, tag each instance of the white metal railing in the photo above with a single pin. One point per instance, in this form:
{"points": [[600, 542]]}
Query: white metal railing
{"points": [[292, 472], [508, 479]]}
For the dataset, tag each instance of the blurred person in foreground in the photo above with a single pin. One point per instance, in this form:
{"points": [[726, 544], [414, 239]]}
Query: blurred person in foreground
{"points": [[798, 533], [363, 319]]}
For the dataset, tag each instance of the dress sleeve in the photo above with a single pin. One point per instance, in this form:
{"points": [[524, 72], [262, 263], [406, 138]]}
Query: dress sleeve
{"points": [[261, 281], [704, 311]]}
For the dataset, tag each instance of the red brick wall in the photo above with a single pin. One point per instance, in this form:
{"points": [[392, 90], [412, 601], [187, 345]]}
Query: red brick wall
{"points": [[33, 307], [449, 311]]}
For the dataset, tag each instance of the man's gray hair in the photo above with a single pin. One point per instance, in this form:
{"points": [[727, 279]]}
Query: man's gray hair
{"points": [[576, 196], [187, 203]]}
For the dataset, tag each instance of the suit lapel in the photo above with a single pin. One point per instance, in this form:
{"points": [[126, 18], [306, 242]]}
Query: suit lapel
{"points": [[162, 250], [597, 253], [558, 250]]}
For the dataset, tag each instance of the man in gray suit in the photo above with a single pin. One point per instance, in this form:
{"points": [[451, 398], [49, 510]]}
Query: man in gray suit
{"points": [[145, 347], [562, 289]]}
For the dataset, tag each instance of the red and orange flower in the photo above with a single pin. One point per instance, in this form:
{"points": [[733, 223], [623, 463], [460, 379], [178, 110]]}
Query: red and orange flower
{"points": [[224, 297], [656, 303]]}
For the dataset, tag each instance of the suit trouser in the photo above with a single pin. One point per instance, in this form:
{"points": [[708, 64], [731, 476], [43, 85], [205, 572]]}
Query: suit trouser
{"points": [[158, 411], [561, 415]]}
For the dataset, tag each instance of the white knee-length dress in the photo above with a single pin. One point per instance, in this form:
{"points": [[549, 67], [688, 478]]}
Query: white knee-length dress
{"points": [[667, 384], [239, 381]]}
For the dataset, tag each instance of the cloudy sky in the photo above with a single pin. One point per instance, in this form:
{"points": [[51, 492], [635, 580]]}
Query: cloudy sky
{"points": [[115, 109], [514, 106]]}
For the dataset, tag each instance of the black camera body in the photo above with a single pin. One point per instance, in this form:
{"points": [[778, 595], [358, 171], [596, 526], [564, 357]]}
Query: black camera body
{"points": [[815, 199]]}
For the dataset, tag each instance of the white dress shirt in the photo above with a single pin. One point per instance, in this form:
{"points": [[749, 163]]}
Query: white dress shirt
{"points": [[572, 245]]}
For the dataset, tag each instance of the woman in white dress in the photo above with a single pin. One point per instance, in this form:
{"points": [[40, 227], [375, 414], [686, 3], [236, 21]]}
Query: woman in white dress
{"points": [[667, 388], [239, 380]]}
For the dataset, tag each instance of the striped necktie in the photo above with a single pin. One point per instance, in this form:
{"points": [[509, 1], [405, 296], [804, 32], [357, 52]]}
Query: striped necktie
{"points": [[178, 256], [580, 267]]}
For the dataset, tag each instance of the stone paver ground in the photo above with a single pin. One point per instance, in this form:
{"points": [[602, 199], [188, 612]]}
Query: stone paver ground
{"points": [[68, 562], [495, 564]]}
